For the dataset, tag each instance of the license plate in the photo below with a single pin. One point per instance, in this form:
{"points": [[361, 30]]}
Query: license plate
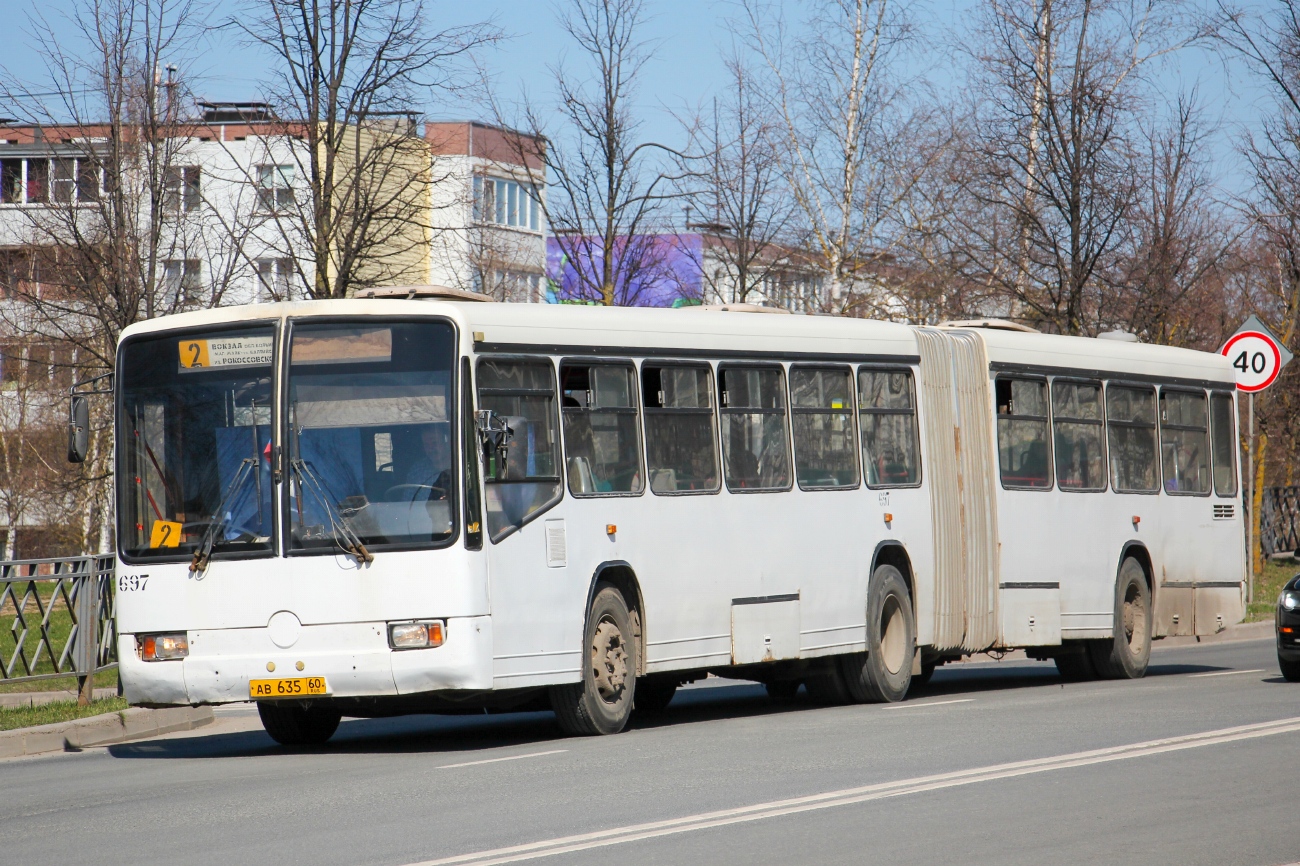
{"points": [[295, 687]]}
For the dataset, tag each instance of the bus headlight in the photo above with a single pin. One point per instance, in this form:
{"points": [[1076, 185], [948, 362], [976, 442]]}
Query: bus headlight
{"points": [[163, 647], [1290, 600], [416, 635]]}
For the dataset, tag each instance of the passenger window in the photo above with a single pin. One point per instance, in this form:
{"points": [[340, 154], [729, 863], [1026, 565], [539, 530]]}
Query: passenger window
{"points": [[524, 478], [1131, 434], [1022, 433], [825, 450], [602, 439], [754, 445], [1079, 440], [1184, 441], [1223, 435], [887, 416], [681, 442]]}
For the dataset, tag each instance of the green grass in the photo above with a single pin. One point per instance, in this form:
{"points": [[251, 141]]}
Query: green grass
{"points": [[1268, 585], [58, 711]]}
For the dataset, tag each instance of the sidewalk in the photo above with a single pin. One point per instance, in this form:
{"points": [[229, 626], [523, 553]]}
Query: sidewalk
{"points": [[105, 730]]}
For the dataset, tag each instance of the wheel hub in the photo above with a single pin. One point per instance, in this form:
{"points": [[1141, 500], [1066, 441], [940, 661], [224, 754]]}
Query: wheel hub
{"points": [[609, 660]]}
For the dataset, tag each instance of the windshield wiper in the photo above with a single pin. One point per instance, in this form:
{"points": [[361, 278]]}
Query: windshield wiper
{"points": [[347, 540], [220, 520]]}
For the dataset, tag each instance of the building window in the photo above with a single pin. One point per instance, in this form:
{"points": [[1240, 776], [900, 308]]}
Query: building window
{"points": [[506, 203], [275, 279], [34, 181], [181, 191], [274, 188], [506, 285], [182, 278]]}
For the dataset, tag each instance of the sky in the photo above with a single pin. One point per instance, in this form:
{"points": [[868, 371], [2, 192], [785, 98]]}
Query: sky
{"points": [[686, 69]]}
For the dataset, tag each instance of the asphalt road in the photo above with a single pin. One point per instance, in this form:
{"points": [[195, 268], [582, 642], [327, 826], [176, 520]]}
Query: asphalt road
{"points": [[991, 763]]}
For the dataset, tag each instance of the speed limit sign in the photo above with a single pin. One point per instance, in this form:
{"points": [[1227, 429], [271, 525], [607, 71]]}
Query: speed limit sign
{"points": [[1256, 356]]}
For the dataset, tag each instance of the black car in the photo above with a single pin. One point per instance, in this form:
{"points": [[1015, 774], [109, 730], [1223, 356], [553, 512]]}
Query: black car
{"points": [[1288, 630]]}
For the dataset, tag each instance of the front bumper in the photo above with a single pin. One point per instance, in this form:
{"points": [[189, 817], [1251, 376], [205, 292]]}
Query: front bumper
{"points": [[354, 658]]}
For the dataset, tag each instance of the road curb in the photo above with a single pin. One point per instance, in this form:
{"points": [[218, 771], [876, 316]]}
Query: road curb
{"points": [[132, 724]]}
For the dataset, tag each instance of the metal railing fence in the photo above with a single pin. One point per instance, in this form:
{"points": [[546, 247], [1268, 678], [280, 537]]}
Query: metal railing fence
{"points": [[1279, 520], [58, 615]]}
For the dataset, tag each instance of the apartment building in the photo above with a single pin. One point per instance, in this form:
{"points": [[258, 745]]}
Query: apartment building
{"points": [[470, 214]]}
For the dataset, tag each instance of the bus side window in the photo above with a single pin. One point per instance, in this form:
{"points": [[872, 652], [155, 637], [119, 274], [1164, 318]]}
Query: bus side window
{"points": [[1223, 436], [755, 450], [887, 412], [1078, 440], [821, 406], [1022, 433], [1184, 441], [1131, 435], [681, 442], [602, 436], [527, 481]]}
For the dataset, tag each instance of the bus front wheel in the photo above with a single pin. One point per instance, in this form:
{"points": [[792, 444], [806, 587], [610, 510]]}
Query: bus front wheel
{"points": [[602, 702], [292, 725], [884, 674], [1126, 655]]}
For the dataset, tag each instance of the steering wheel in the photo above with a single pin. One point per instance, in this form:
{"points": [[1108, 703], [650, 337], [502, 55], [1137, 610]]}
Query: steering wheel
{"points": [[399, 491]]}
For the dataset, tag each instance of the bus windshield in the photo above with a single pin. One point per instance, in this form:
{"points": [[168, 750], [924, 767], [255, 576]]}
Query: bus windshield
{"points": [[194, 447], [370, 444]]}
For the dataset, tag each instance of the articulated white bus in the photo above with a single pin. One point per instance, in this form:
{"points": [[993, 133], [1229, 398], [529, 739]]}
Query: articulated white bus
{"points": [[392, 505]]}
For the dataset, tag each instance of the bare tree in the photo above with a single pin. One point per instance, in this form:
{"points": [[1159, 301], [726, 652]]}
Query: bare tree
{"points": [[1169, 283], [349, 74], [848, 133], [1055, 144], [737, 192], [604, 191], [100, 245]]}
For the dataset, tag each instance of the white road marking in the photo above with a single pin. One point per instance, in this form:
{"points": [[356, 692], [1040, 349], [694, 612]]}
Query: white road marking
{"points": [[1227, 673], [497, 760], [911, 706], [849, 796]]}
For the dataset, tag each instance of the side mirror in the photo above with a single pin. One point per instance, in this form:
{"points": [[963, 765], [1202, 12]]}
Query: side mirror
{"points": [[78, 429]]}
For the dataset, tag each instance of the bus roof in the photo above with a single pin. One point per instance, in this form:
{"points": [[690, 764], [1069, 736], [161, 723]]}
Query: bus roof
{"points": [[561, 328]]}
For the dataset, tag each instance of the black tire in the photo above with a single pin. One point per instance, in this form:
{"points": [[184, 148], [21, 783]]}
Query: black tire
{"points": [[602, 702], [782, 691], [1075, 665], [884, 673], [1290, 670], [291, 725], [1127, 654], [654, 693]]}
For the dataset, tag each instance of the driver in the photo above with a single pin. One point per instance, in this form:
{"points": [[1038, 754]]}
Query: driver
{"points": [[432, 469]]}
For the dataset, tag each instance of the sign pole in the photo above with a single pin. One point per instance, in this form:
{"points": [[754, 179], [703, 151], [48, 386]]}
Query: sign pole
{"points": [[1250, 524], [1258, 356]]}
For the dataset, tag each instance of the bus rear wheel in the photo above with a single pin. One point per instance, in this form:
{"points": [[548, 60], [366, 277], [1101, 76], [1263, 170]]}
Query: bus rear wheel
{"points": [[292, 725], [602, 702], [1126, 655], [884, 674]]}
